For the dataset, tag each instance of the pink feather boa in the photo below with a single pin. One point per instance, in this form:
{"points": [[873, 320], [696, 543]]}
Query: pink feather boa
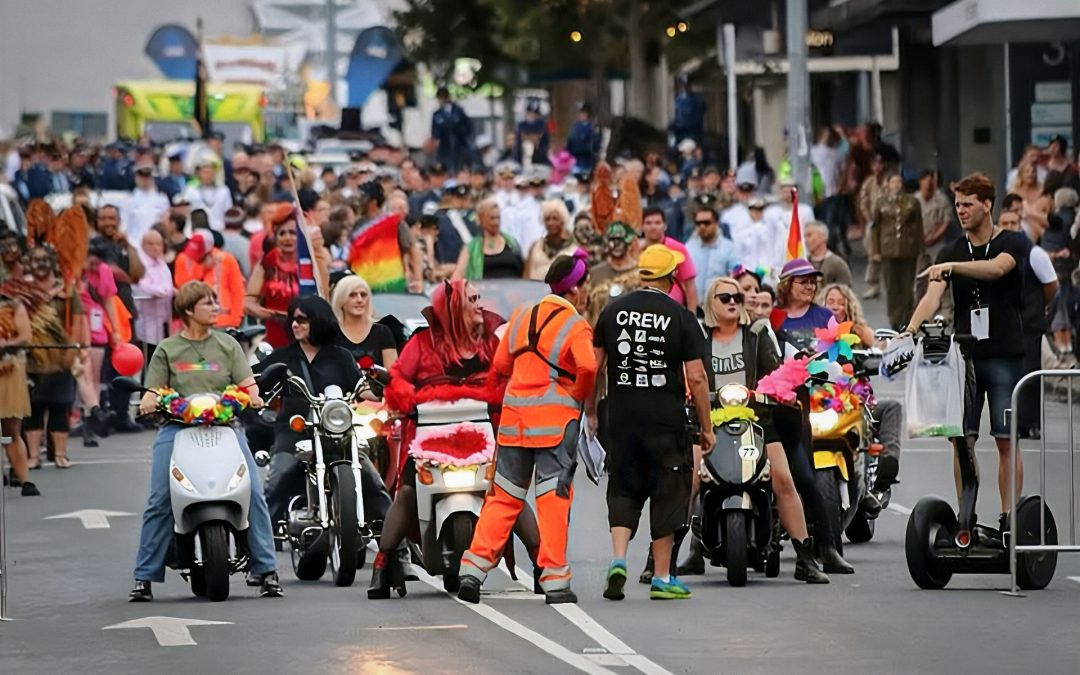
{"points": [[782, 382]]}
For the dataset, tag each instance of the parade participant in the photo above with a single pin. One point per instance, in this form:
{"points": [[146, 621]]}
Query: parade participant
{"points": [[897, 243], [617, 273], [15, 334], [644, 419], [795, 311], [492, 255], [548, 357], [558, 240], [984, 270], [275, 280], [456, 351], [202, 261], [360, 334], [684, 287], [197, 360], [96, 292], [845, 306], [742, 352], [208, 195]]}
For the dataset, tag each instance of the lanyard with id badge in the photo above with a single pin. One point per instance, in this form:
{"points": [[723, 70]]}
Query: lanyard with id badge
{"points": [[980, 314]]}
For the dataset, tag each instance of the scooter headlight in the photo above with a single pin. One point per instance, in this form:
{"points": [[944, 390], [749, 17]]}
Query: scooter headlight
{"points": [[824, 422], [731, 395], [241, 471], [179, 477], [459, 478], [336, 417]]}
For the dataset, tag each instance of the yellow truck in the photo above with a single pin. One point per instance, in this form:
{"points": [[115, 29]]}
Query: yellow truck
{"points": [[164, 110]]}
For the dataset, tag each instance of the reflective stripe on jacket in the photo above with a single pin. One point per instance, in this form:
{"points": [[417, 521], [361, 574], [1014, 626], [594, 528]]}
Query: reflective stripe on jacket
{"points": [[549, 378]]}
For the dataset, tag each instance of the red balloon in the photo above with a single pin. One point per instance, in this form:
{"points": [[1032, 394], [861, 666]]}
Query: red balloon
{"points": [[127, 359]]}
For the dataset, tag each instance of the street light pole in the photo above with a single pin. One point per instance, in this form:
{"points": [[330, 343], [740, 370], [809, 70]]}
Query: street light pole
{"points": [[798, 91], [732, 105], [331, 49]]}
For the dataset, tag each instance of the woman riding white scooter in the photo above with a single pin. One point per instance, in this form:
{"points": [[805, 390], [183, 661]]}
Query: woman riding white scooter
{"points": [[743, 351], [197, 360]]}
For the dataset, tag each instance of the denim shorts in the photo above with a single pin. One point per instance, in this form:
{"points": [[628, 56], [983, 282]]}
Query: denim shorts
{"points": [[992, 379]]}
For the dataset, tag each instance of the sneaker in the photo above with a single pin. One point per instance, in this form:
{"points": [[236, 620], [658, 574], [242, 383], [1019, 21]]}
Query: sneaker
{"points": [[30, 490], [672, 589], [141, 592], [561, 596], [469, 589], [271, 586], [616, 580]]}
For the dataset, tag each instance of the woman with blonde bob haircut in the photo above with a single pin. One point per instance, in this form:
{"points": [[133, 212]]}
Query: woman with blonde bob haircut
{"points": [[742, 352], [361, 336], [841, 301]]}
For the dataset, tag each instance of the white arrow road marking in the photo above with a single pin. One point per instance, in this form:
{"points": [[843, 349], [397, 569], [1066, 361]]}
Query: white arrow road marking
{"points": [[92, 519], [1076, 579], [170, 631]]}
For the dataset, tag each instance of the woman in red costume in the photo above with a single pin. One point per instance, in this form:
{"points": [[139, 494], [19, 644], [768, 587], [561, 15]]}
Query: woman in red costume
{"points": [[449, 361], [275, 281]]}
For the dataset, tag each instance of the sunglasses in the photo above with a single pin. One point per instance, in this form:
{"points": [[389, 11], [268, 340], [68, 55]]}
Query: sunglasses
{"points": [[703, 223], [806, 281], [301, 320], [729, 298]]}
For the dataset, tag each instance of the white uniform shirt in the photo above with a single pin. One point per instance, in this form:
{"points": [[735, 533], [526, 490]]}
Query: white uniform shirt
{"points": [[215, 200], [142, 210]]}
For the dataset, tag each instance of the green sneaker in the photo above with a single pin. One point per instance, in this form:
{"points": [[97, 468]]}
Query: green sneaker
{"points": [[616, 579], [673, 589]]}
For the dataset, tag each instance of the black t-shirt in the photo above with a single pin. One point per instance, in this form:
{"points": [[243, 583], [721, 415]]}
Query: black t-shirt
{"points": [[331, 365], [1002, 297], [504, 265], [378, 339], [647, 337]]}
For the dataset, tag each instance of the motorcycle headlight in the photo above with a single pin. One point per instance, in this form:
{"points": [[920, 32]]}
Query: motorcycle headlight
{"points": [[733, 395], [336, 417], [461, 478], [823, 422]]}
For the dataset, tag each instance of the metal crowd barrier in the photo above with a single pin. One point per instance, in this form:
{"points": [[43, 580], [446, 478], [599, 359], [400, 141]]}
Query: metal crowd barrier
{"points": [[1072, 546]]}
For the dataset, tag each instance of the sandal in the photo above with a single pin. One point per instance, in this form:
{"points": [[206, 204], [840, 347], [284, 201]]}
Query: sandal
{"points": [[62, 462]]}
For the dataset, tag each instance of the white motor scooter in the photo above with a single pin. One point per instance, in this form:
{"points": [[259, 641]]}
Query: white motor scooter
{"points": [[210, 490], [454, 452]]}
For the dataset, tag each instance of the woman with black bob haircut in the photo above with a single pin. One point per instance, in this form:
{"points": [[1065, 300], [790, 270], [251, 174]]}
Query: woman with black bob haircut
{"points": [[315, 357]]}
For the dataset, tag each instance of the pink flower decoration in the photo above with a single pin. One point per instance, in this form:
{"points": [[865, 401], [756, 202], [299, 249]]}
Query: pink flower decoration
{"points": [[782, 382]]}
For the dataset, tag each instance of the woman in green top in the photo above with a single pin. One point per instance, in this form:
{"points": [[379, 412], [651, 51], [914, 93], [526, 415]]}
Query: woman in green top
{"points": [[492, 255], [197, 360]]}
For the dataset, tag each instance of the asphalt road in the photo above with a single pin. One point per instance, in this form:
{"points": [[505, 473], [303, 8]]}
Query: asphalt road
{"points": [[68, 583]]}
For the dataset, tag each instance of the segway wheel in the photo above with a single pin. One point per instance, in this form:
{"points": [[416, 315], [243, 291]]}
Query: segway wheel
{"points": [[931, 520], [1034, 571], [861, 529]]}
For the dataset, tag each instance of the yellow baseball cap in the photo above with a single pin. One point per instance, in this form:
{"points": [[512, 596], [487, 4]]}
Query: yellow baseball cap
{"points": [[659, 261]]}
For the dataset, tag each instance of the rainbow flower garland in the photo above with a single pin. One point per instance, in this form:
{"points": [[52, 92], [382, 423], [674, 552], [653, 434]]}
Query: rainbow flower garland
{"points": [[202, 409]]}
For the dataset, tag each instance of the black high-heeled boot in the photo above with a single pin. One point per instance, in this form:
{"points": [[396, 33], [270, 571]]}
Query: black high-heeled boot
{"points": [[831, 560], [695, 560], [380, 578], [806, 566]]}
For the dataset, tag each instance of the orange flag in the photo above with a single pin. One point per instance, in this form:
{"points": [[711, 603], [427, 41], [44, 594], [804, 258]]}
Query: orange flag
{"points": [[795, 247]]}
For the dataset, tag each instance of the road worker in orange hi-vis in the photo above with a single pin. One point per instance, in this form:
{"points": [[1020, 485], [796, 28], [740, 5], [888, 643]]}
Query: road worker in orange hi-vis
{"points": [[548, 355]]}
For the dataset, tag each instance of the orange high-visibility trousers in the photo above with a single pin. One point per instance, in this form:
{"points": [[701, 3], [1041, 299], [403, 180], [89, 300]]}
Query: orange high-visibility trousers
{"points": [[554, 495]]}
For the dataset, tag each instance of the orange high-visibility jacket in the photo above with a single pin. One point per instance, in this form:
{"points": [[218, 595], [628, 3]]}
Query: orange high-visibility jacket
{"points": [[222, 273], [550, 375]]}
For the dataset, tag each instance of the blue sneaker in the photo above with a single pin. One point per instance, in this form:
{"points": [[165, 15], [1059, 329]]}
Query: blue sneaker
{"points": [[616, 580], [673, 589]]}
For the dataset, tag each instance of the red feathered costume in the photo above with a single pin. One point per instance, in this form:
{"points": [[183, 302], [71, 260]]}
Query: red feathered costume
{"points": [[420, 374]]}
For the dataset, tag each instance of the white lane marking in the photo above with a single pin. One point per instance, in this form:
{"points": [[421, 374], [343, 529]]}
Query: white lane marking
{"points": [[506, 623], [934, 450], [1076, 579], [92, 519], [602, 636], [170, 631], [452, 626]]}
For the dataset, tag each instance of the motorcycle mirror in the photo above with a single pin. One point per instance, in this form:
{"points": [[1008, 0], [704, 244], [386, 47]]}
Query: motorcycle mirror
{"points": [[126, 385], [262, 458], [272, 376], [262, 350]]}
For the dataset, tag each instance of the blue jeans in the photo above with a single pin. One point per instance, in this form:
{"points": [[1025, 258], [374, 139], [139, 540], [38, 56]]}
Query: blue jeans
{"points": [[157, 527]]}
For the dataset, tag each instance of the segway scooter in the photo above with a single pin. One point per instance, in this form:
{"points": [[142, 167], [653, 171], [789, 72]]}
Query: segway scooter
{"points": [[940, 543]]}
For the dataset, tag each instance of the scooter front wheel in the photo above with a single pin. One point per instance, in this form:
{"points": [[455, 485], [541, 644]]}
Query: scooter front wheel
{"points": [[735, 547], [214, 541], [932, 520], [460, 529]]}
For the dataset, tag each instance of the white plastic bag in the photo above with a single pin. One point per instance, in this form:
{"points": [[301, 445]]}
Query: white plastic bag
{"points": [[590, 453], [934, 396]]}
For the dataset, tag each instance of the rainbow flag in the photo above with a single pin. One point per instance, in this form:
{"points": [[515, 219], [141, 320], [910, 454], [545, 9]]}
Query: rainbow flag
{"points": [[309, 284], [374, 254], [795, 247]]}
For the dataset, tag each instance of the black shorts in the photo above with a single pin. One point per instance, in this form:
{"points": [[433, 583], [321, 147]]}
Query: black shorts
{"points": [[408, 472], [651, 464]]}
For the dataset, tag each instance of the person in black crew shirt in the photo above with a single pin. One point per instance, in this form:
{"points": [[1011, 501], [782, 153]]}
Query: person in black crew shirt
{"points": [[983, 269], [647, 340], [315, 357]]}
